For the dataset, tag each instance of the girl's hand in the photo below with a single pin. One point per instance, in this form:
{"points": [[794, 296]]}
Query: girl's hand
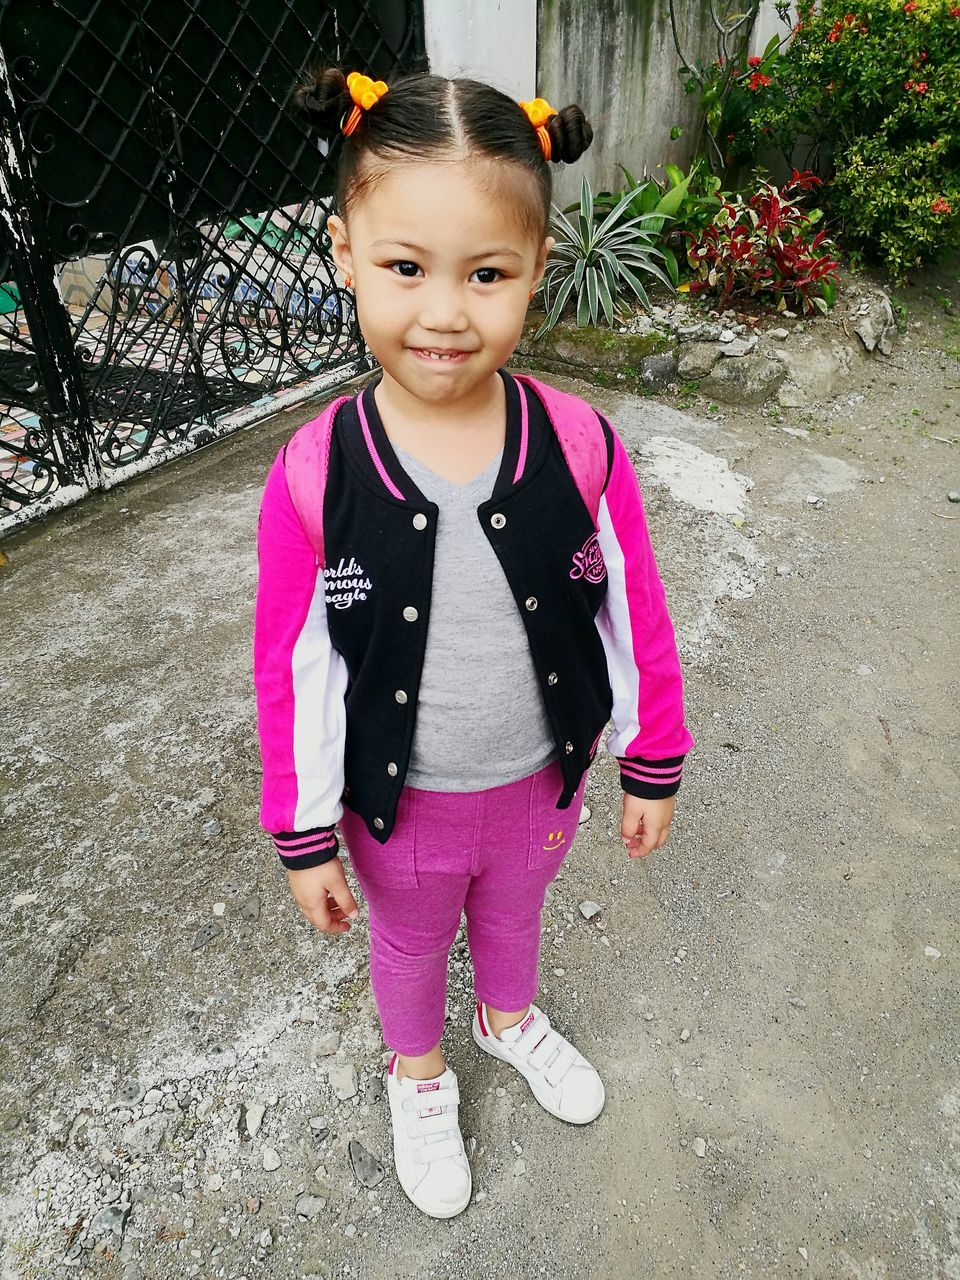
{"points": [[646, 824], [324, 897]]}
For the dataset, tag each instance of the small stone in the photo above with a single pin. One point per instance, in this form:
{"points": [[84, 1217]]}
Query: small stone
{"points": [[780, 334], [271, 1160], [648, 1017], [320, 1125], [738, 347], [343, 1081], [802, 1252], [699, 1148], [813, 500], [559, 972], [219, 908], [685, 1034], [324, 1046], [470, 1147], [350, 1230], [953, 496], [931, 953], [519, 1168], [206, 934], [310, 1206], [367, 1169], [250, 910], [797, 1002], [251, 1204], [864, 669], [727, 335], [373, 1090], [131, 1092], [586, 813], [784, 570], [204, 1108], [255, 1111], [265, 1239], [215, 1182], [211, 827], [590, 909]]}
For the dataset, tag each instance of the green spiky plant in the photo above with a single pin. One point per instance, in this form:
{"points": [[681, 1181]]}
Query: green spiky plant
{"points": [[598, 260]]}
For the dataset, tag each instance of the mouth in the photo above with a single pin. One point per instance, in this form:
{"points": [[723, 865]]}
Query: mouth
{"points": [[440, 355]]}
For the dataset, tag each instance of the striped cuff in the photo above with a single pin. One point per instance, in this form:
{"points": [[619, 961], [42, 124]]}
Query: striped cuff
{"points": [[298, 850], [650, 779]]}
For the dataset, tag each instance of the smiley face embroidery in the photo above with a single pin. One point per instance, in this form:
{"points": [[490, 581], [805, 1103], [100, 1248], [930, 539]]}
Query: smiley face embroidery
{"points": [[554, 841]]}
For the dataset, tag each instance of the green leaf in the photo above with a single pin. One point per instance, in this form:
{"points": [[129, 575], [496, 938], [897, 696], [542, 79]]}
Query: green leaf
{"points": [[554, 314], [829, 292], [636, 284], [673, 268], [674, 198], [674, 174], [586, 204], [606, 297], [592, 294], [676, 132], [583, 306]]}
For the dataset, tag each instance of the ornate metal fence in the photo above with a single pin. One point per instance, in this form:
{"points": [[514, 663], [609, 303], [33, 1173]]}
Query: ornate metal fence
{"points": [[164, 265]]}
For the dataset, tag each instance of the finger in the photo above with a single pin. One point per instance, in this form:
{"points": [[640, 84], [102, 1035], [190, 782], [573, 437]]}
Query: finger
{"points": [[319, 916], [646, 842], [345, 900]]}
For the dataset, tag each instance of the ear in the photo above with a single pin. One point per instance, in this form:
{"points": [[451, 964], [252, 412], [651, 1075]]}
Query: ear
{"points": [[340, 245], [542, 255]]}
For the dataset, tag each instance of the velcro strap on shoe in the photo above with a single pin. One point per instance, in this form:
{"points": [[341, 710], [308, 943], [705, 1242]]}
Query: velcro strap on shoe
{"points": [[542, 1052], [556, 1071], [446, 1150], [426, 1126], [449, 1097]]}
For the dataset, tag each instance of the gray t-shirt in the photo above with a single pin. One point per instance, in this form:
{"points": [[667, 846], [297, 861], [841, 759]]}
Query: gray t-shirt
{"points": [[480, 721]]}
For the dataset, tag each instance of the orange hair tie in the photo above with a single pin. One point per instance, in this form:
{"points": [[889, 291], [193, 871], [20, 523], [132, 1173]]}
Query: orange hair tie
{"points": [[538, 113], [366, 93]]}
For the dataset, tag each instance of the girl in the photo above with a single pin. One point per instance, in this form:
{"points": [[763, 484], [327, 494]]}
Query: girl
{"points": [[456, 593]]}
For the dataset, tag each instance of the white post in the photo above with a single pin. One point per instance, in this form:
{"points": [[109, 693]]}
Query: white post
{"points": [[490, 40], [768, 24]]}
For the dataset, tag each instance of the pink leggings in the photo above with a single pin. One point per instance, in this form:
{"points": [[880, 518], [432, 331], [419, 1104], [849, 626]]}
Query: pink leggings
{"points": [[491, 855]]}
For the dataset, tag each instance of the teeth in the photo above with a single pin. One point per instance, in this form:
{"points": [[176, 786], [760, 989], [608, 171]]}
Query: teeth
{"points": [[434, 355]]}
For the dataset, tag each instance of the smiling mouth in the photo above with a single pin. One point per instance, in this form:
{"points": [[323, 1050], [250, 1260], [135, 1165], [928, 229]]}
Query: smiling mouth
{"points": [[440, 357]]}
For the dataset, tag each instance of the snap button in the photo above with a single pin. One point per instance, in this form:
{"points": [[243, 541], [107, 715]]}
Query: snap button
{"points": [[378, 823], [392, 769], [552, 678], [419, 520], [531, 603], [568, 748], [400, 696], [498, 520], [410, 614]]}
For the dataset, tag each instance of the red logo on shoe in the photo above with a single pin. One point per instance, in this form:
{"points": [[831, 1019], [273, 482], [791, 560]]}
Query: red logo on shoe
{"points": [[525, 1023], [428, 1087]]}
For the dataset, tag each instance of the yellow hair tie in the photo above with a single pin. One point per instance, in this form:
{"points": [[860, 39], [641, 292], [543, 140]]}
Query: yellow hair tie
{"points": [[366, 93], [539, 112]]}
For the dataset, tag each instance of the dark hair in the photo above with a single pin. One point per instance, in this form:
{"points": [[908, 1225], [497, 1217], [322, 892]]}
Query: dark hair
{"points": [[426, 115]]}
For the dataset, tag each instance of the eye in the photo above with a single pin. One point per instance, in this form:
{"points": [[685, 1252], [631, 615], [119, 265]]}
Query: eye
{"points": [[487, 275], [406, 269]]}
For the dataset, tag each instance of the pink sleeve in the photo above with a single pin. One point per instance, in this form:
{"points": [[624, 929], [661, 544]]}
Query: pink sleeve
{"points": [[649, 736], [300, 681]]}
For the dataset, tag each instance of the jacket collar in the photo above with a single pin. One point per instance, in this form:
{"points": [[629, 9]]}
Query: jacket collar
{"points": [[369, 447]]}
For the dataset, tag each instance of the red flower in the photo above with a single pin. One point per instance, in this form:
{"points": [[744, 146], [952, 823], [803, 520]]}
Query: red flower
{"points": [[850, 18], [909, 8], [758, 81], [920, 86], [955, 11], [833, 36], [940, 205], [754, 62], [923, 55]]}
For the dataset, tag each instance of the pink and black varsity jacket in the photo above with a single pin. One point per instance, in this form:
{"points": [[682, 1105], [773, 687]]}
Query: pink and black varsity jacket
{"points": [[345, 545]]}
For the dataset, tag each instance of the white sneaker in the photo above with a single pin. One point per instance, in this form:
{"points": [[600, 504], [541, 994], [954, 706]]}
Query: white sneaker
{"points": [[562, 1080], [428, 1152]]}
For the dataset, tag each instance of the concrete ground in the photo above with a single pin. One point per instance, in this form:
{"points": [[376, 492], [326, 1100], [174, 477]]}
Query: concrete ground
{"points": [[772, 999]]}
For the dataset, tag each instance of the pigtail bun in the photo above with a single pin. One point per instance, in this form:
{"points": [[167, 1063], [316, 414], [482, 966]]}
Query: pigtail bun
{"points": [[570, 135], [323, 96]]}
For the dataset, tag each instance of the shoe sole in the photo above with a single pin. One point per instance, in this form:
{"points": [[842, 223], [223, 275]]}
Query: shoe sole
{"points": [[479, 1040]]}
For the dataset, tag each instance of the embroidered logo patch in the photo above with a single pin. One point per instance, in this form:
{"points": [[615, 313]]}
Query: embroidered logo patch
{"points": [[345, 583], [588, 561]]}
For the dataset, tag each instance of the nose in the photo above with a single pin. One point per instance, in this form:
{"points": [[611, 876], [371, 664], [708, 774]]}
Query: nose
{"points": [[442, 308]]}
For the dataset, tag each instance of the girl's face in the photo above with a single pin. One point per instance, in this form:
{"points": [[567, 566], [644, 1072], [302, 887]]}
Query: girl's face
{"points": [[442, 269]]}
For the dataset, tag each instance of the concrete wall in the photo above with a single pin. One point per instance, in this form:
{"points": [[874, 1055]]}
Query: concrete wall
{"points": [[490, 40]]}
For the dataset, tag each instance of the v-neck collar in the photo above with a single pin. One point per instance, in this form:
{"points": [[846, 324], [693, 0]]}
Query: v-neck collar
{"points": [[516, 449]]}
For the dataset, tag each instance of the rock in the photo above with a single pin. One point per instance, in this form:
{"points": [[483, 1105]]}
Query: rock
{"points": [[373, 1090], [251, 1204], [271, 1160], [519, 1168], [204, 1107], [699, 1148], [738, 347], [931, 953], [784, 570], [658, 371], [219, 908], [255, 1111], [310, 1206], [820, 368], [953, 496], [343, 1081], [211, 827], [780, 334], [697, 359], [749, 380], [864, 669], [813, 500], [250, 910], [146, 1136], [320, 1126], [590, 909], [685, 1034], [803, 1253], [586, 813], [367, 1169], [350, 1230], [324, 1046], [131, 1092], [874, 324], [112, 1218], [727, 335], [206, 934], [215, 1182]]}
